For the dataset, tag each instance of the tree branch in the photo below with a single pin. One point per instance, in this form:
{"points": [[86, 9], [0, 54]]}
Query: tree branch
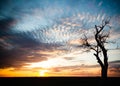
{"points": [[98, 60]]}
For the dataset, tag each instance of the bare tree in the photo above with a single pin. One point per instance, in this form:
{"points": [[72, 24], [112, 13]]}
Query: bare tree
{"points": [[100, 37]]}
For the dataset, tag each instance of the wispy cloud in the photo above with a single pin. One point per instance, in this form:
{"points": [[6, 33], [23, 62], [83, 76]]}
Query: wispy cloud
{"points": [[100, 3]]}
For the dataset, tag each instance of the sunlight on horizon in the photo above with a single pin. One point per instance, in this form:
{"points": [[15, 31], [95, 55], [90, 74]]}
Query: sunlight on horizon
{"points": [[42, 73]]}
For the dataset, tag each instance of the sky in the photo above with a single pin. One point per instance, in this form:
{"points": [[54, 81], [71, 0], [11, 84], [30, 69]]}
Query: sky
{"points": [[42, 37]]}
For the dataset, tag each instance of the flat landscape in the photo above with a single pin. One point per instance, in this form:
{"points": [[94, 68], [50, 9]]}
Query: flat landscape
{"points": [[49, 81]]}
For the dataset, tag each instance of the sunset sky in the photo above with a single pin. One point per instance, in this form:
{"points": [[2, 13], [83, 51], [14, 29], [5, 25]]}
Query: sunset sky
{"points": [[42, 37]]}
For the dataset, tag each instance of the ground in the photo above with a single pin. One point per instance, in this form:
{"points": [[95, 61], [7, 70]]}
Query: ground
{"points": [[55, 81]]}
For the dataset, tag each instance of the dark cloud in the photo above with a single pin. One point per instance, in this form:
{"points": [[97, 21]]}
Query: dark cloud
{"points": [[19, 56], [8, 58], [116, 61], [3, 3], [114, 66], [6, 24], [18, 48]]}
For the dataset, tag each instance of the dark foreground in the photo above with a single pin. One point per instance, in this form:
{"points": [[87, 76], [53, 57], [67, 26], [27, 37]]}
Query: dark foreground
{"points": [[59, 81]]}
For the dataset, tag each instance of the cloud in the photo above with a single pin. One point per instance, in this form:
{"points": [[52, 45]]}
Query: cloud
{"points": [[21, 47], [69, 58], [87, 70], [7, 23], [62, 36], [18, 57], [114, 64], [75, 70], [100, 3], [114, 68]]}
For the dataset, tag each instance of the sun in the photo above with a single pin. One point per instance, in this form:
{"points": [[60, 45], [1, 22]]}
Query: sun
{"points": [[43, 73]]}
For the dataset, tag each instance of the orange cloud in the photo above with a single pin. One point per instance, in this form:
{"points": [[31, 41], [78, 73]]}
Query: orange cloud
{"points": [[77, 71]]}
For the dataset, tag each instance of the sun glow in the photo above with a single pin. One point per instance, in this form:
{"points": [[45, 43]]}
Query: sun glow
{"points": [[47, 64], [43, 73]]}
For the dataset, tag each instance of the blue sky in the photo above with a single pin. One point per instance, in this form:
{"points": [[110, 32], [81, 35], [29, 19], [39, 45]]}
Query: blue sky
{"points": [[34, 31]]}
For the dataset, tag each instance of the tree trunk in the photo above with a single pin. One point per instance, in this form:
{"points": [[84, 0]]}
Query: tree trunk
{"points": [[105, 67], [104, 70]]}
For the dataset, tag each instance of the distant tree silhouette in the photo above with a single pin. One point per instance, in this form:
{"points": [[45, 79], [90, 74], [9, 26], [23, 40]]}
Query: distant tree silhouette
{"points": [[100, 37]]}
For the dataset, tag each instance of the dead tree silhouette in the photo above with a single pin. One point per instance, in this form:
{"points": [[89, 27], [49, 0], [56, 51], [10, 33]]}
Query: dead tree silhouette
{"points": [[100, 37]]}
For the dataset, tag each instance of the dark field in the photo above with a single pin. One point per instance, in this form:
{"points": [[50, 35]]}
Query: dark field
{"points": [[55, 81]]}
